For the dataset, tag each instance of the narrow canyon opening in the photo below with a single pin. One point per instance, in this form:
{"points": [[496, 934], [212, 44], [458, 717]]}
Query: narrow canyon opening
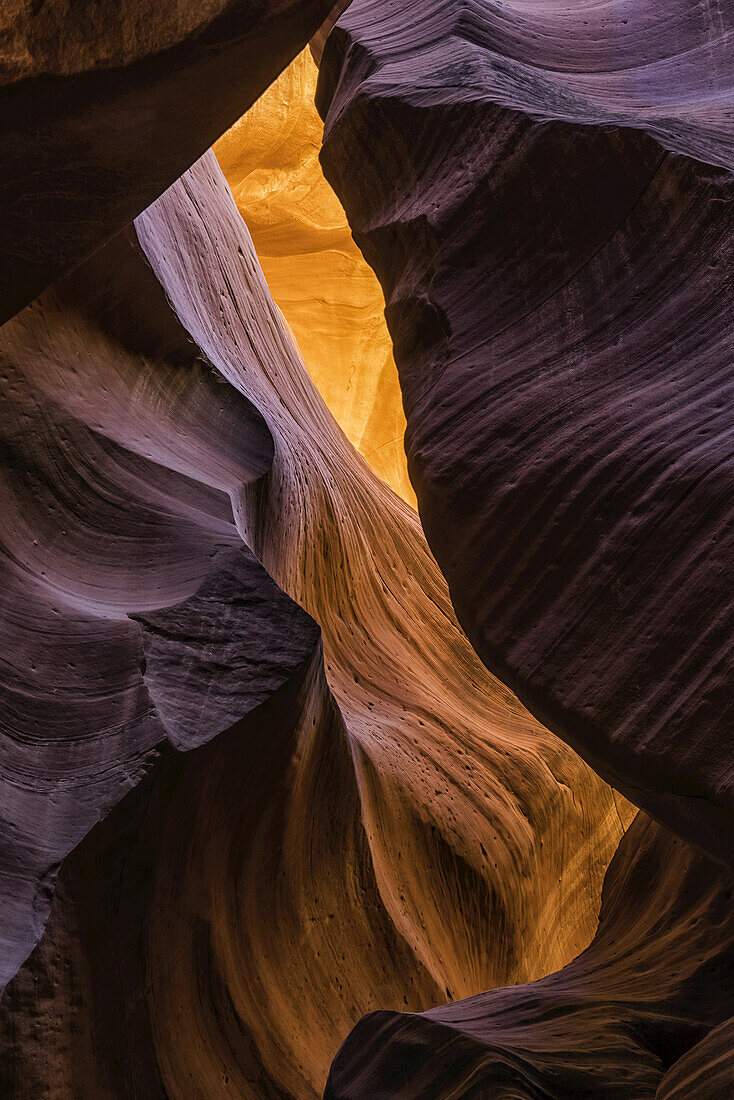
{"points": [[327, 293]]}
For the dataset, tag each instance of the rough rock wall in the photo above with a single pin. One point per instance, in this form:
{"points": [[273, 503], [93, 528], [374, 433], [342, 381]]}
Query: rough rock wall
{"points": [[558, 282], [385, 826]]}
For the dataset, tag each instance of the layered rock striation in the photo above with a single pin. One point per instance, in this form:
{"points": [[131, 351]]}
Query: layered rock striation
{"points": [[255, 782], [645, 1011], [363, 819], [558, 280], [546, 197]]}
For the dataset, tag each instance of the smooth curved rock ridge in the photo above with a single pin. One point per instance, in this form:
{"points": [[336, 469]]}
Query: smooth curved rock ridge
{"points": [[395, 832], [654, 990], [329, 296], [103, 105], [357, 563], [558, 294], [120, 450]]}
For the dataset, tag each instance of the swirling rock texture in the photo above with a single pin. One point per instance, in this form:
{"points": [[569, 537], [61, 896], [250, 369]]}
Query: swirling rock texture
{"points": [[243, 732], [329, 296], [707, 1070], [559, 299], [546, 197], [103, 105], [380, 826]]}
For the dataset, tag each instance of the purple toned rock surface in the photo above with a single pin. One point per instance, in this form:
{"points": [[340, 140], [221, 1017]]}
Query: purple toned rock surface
{"points": [[558, 280], [364, 817], [545, 194], [119, 448], [215, 657]]}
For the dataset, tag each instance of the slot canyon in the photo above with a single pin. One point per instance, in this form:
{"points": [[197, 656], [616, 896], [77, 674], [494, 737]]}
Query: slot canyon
{"points": [[367, 481]]}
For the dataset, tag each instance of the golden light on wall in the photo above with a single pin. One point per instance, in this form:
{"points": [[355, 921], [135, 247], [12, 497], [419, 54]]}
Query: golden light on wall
{"points": [[329, 296]]}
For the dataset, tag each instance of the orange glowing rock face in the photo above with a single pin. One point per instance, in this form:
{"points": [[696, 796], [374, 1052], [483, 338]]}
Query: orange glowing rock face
{"points": [[327, 293]]}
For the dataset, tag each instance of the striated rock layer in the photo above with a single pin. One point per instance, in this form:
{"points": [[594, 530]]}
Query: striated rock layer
{"points": [[103, 105], [706, 1071], [383, 826], [558, 282], [328, 294]]}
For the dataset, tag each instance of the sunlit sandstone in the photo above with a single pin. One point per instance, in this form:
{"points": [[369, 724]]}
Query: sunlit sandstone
{"points": [[316, 274]]}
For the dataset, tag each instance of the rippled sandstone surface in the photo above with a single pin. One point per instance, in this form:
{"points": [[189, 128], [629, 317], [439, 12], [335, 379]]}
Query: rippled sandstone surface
{"points": [[263, 810], [546, 196], [383, 826], [644, 1012]]}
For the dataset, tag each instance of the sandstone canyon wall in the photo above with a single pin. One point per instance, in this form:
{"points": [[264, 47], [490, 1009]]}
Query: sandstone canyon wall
{"points": [[271, 822], [389, 827], [103, 105], [546, 197]]}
